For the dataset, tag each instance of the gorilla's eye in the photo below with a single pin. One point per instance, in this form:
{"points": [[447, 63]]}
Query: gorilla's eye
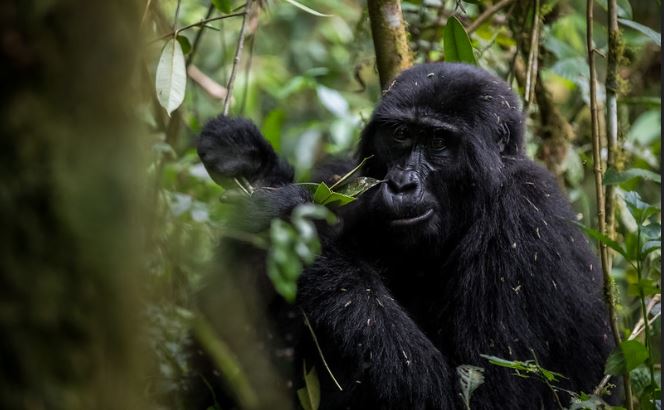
{"points": [[400, 135], [438, 143]]}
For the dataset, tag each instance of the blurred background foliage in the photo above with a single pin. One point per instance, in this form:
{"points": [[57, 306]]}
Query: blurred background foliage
{"points": [[310, 83]]}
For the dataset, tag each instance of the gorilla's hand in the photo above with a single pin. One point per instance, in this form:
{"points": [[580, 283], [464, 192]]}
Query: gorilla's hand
{"points": [[254, 213], [234, 148]]}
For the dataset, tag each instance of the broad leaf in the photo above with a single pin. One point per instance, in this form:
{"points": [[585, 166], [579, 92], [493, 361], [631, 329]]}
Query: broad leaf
{"points": [[456, 43], [325, 196], [613, 177], [598, 236], [627, 356], [646, 31], [171, 79]]}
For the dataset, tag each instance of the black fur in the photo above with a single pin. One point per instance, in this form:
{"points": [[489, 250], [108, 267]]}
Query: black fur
{"points": [[468, 248]]}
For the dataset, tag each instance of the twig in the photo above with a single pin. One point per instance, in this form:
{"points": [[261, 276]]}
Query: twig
{"points": [[320, 352], [200, 23], [638, 329], [236, 59], [177, 14], [145, 12], [487, 15], [597, 166], [199, 35]]}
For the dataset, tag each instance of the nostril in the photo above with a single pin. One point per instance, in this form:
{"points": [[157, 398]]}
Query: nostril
{"points": [[402, 186]]}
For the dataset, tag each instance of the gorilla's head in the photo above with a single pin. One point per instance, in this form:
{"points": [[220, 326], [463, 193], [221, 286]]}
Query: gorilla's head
{"points": [[439, 137]]}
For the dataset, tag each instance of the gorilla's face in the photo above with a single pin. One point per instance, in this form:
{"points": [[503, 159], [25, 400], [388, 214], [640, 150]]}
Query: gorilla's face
{"points": [[438, 138]]}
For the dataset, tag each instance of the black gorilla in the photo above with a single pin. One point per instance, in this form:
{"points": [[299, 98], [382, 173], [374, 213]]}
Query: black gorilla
{"points": [[467, 248]]}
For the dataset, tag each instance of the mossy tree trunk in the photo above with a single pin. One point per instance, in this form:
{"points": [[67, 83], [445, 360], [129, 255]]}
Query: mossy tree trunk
{"points": [[388, 29], [69, 205]]}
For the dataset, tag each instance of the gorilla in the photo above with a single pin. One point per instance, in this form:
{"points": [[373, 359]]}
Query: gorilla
{"points": [[466, 248]]}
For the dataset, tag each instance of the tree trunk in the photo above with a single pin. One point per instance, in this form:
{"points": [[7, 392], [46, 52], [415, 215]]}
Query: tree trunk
{"points": [[69, 243]]}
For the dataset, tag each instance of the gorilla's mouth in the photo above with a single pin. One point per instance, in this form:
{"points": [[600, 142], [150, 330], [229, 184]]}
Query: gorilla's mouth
{"points": [[412, 220]]}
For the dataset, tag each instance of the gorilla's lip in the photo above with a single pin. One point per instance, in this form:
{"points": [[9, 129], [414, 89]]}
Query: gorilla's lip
{"points": [[413, 220]]}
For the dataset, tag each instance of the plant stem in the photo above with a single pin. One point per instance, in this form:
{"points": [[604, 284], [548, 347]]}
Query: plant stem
{"points": [[597, 166], [198, 24], [642, 300], [236, 59], [199, 35], [487, 15]]}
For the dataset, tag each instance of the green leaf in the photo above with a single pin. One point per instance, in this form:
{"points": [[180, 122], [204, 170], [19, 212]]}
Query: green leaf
{"points": [[639, 209], [184, 43], [358, 186], [350, 173], [470, 378], [325, 196], [309, 395], [613, 177], [224, 6], [627, 356], [171, 79], [646, 31], [456, 43], [271, 128], [598, 236], [307, 9]]}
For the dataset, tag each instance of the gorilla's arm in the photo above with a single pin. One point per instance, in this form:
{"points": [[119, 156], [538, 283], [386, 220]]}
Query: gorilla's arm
{"points": [[235, 148], [375, 350]]}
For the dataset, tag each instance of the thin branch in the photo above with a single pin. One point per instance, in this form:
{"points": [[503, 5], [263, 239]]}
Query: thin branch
{"points": [[199, 36], [597, 166], [211, 87], [320, 351], [145, 12], [200, 23], [236, 59], [488, 13], [177, 14]]}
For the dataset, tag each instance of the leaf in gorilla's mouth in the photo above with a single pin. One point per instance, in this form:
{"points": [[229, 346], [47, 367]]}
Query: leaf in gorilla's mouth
{"points": [[412, 221]]}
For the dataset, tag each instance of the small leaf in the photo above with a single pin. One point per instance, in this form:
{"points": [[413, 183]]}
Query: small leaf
{"points": [[627, 356], [456, 43], [224, 6], [470, 378], [307, 9], [309, 395], [646, 31], [184, 43], [358, 186], [598, 236], [171, 79], [613, 177], [325, 196], [639, 209]]}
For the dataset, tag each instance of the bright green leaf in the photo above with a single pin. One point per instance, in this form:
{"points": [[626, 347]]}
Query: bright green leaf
{"points": [[456, 43], [171, 79], [627, 356]]}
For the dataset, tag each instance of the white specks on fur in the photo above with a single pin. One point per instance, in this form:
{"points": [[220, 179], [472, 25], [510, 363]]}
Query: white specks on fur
{"points": [[517, 289], [538, 233], [348, 303], [514, 245]]}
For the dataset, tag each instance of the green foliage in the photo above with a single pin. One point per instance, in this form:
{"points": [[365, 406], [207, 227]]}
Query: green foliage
{"points": [[457, 44], [626, 357], [309, 395]]}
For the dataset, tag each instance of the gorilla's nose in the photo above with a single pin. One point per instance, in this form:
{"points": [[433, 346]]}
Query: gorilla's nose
{"points": [[405, 182]]}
